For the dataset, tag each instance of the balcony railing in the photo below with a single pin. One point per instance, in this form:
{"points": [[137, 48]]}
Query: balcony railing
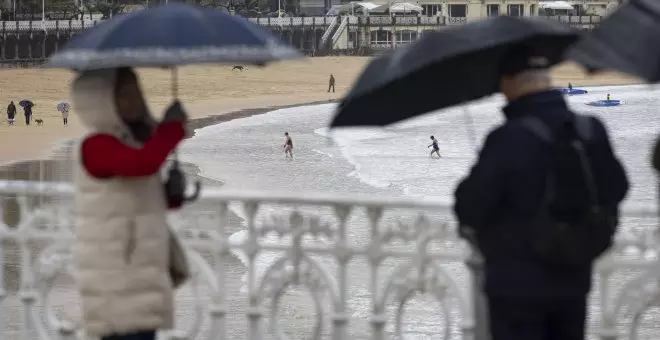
{"points": [[362, 261], [291, 22]]}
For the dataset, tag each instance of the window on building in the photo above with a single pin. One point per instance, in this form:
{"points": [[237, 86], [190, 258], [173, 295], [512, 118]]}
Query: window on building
{"points": [[405, 37], [381, 38], [515, 10], [457, 11], [431, 10], [493, 10]]}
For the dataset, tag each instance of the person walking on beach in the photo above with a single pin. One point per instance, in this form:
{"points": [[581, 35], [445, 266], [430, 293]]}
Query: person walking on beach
{"points": [[570, 86], [11, 113], [436, 148], [541, 204], [65, 115], [127, 261], [331, 84], [27, 110], [288, 146]]}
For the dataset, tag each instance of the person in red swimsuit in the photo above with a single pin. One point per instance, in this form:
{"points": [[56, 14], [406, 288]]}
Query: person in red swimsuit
{"points": [[123, 244]]}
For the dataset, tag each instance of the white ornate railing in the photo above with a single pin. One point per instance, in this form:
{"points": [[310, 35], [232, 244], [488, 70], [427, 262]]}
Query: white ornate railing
{"points": [[362, 261]]}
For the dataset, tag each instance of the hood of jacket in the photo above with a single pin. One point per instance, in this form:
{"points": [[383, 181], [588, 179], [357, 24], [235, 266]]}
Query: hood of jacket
{"points": [[93, 96]]}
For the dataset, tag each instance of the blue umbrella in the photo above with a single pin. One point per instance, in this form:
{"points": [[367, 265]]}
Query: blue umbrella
{"points": [[61, 107], [171, 35], [25, 103]]}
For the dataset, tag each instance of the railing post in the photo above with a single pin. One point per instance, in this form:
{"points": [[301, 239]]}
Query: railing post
{"points": [[475, 264], [479, 304]]}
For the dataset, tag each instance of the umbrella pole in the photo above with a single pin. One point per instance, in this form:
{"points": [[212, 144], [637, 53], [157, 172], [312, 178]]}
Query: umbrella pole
{"points": [[469, 127], [175, 96]]}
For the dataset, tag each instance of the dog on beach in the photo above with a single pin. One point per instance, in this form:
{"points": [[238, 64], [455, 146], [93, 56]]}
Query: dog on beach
{"points": [[238, 67], [39, 121]]}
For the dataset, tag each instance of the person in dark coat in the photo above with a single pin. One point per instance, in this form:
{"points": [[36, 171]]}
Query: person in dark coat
{"points": [[501, 196], [331, 84], [11, 112], [27, 110]]}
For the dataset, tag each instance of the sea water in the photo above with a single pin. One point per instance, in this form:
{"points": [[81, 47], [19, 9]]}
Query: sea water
{"points": [[394, 161]]}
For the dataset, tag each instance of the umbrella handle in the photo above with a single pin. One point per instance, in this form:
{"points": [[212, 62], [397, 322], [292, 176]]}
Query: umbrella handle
{"points": [[175, 83]]}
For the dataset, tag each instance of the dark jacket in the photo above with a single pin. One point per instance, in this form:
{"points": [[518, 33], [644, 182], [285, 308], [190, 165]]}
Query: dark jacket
{"points": [[28, 110], [11, 110], [504, 191]]}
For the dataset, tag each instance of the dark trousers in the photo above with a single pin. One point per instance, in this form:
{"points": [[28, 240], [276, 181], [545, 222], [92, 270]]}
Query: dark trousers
{"points": [[27, 120], [66, 120], [146, 335], [331, 86], [537, 319]]}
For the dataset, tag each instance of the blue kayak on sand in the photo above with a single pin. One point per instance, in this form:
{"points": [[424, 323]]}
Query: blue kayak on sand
{"points": [[605, 103], [573, 91]]}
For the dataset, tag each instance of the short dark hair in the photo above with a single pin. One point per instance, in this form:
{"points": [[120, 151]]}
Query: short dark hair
{"points": [[431, 137], [286, 133]]}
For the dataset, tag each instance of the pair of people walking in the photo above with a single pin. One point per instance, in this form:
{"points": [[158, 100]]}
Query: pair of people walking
{"points": [[11, 113]]}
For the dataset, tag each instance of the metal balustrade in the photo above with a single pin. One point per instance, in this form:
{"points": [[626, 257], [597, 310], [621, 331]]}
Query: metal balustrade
{"points": [[363, 261]]}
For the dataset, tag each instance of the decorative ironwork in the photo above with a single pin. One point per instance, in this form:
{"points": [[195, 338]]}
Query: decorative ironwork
{"points": [[289, 244]]}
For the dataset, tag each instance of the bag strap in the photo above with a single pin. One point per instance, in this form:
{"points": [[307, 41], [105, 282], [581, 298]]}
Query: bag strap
{"points": [[583, 127]]}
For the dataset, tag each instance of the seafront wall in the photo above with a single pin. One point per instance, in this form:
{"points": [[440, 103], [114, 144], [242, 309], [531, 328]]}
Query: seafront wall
{"points": [[27, 42]]}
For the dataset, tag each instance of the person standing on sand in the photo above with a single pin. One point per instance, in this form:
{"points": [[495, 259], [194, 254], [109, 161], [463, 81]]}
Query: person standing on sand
{"points": [[127, 261], [11, 112], [27, 110], [436, 148], [331, 84], [65, 115], [288, 146]]}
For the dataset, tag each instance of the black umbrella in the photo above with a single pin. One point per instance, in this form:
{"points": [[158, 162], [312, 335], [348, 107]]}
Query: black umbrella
{"points": [[26, 103], [628, 41], [445, 68]]}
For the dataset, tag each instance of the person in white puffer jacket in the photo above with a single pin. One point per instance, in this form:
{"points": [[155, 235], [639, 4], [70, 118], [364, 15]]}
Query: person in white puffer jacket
{"points": [[122, 248]]}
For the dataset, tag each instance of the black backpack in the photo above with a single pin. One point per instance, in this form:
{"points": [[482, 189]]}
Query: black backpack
{"points": [[579, 240]]}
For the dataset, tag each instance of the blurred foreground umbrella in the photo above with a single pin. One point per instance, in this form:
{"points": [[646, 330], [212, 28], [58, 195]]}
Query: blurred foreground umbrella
{"points": [[169, 36], [26, 103], [445, 68], [62, 107], [627, 41]]}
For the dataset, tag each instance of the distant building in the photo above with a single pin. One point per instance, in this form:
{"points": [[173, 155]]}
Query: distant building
{"points": [[470, 9]]}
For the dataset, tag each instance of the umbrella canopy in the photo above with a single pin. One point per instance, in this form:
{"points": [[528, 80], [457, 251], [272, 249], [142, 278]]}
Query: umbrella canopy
{"points": [[445, 68], [62, 107], [25, 103], [171, 35], [628, 41]]}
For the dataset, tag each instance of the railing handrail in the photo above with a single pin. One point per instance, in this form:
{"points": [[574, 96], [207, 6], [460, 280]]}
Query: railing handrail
{"points": [[34, 188]]}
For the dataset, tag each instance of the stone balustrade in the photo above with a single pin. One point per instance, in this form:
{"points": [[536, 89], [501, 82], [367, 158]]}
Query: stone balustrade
{"points": [[363, 263]]}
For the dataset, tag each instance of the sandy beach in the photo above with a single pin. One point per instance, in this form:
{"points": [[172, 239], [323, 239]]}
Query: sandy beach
{"points": [[205, 91]]}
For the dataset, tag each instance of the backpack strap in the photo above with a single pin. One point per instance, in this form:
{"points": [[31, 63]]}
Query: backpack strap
{"points": [[537, 127], [583, 126]]}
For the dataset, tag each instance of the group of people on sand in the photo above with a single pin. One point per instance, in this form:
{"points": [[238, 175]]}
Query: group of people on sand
{"points": [[27, 112]]}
